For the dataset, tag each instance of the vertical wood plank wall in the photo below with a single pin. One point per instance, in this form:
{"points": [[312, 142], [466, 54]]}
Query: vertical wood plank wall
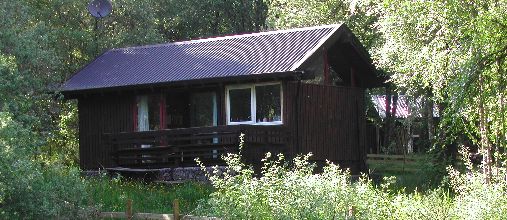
{"points": [[101, 114], [328, 121]]}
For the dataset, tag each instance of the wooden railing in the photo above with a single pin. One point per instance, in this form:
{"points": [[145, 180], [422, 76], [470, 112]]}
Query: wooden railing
{"points": [[179, 147]]}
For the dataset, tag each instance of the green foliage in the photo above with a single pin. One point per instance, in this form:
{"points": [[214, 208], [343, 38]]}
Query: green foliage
{"points": [[35, 192], [444, 48], [42, 43], [111, 195], [29, 190], [296, 192], [195, 18], [284, 14], [476, 200], [62, 145], [436, 49]]}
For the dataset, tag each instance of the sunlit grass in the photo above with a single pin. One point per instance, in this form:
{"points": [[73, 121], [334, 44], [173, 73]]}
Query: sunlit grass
{"points": [[112, 195]]}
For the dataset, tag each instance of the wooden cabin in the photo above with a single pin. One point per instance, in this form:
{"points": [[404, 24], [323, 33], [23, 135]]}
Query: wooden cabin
{"points": [[291, 91]]}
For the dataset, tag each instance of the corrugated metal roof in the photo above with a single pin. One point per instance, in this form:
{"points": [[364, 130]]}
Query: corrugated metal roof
{"points": [[229, 56], [404, 106]]}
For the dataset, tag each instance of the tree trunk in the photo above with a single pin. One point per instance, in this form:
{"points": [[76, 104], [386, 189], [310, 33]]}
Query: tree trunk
{"points": [[485, 146], [429, 118], [501, 129], [215, 23], [393, 132], [259, 15], [387, 122]]}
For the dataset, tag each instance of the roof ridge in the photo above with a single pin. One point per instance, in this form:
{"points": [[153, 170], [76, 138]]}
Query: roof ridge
{"points": [[234, 36]]}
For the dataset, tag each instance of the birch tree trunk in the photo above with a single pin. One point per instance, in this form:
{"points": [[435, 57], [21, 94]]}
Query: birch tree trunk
{"points": [[485, 145], [429, 118]]}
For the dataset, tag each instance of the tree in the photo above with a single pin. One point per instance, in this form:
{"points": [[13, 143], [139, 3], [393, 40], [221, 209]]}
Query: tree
{"points": [[42, 43], [455, 50], [450, 52], [356, 14]]}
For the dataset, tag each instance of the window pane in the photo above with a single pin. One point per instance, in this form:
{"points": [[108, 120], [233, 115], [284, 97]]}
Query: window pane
{"points": [[268, 103], [202, 109], [239, 102]]}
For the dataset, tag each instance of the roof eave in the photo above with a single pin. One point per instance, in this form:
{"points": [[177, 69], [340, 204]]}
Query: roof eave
{"points": [[72, 94]]}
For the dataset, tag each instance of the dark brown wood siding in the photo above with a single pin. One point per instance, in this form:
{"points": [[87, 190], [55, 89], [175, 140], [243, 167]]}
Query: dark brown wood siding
{"points": [[101, 114], [328, 121]]}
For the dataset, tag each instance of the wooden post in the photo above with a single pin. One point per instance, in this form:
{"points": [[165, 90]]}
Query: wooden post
{"points": [[128, 212], [327, 77], [176, 210], [178, 155], [162, 111], [135, 123], [351, 214]]}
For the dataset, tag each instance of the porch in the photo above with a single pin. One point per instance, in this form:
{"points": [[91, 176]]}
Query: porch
{"points": [[179, 147]]}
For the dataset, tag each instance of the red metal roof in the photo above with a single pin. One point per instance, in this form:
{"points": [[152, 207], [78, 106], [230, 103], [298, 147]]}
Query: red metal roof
{"points": [[221, 57]]}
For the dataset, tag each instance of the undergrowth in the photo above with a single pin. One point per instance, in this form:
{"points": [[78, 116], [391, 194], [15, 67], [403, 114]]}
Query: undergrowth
{"points": [[297, 192], [111, 195]]}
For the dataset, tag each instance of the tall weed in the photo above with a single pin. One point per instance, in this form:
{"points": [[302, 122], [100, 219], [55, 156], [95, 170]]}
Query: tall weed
{"points": [[295, 191]]}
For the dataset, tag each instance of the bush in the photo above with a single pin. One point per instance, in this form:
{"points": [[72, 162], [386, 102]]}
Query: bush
{"points": [[296, 192], [477, 200], [29, 189]]}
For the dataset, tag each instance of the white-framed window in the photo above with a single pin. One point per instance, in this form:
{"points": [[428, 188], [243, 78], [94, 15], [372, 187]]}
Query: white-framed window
{"points": [[254, 104]]}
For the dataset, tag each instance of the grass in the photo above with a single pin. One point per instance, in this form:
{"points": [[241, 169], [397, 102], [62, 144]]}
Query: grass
{"points": [[420, 175], [112, 195], [409, 181]]}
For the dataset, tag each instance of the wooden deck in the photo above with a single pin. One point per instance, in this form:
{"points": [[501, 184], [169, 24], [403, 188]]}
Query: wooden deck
{"points": [[180, 147]]}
